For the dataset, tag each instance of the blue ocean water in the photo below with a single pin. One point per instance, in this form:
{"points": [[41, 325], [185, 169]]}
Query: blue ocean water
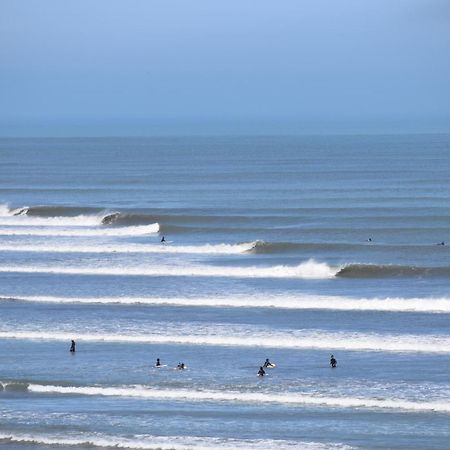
{"points": [[287, 248]]}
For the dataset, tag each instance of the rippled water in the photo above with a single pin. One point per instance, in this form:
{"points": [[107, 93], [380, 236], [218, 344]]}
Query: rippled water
{"points": [[288, 248]]}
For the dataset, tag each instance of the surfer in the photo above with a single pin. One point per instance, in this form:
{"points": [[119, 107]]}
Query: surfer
{"points": [[261, 372], [163, 240], [181, 366], [267, 363], [158, 363], [441, 243], [333, 362], [72, 347]]}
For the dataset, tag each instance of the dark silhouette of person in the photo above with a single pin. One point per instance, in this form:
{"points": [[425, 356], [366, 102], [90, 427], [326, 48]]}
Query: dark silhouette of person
{"points": [[261, 372], [181, 366], [158, 363], [333, 362], [267, 363], [72, 347], [163, 239]]}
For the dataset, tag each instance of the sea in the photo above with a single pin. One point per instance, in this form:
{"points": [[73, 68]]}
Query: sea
{"points": [[287, 248]]}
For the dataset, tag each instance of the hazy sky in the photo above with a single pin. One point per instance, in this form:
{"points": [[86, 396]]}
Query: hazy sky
{"points": [[123, 66]]}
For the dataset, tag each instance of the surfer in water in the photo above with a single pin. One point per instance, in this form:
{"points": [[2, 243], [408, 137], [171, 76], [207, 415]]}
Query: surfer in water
{"points": [[72, 347], [163, 240], [158, 363], [181, 366], [333, 362], [267, 363], [261, 372]]}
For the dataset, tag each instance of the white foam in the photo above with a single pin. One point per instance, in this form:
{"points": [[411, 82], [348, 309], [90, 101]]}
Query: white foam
{"points": [[307, 270], [301, 301], [227, 249], [81, 231], [24, 220], [291, 398], [255, 337], [148, 442]]}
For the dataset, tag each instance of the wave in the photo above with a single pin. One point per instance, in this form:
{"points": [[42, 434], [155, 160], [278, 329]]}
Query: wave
{"points": [[149, 442], [227, 249], [65, 216], [307, 270], [258, 338], [73, 232], [291, 398], [389, 304], [387, 270]]}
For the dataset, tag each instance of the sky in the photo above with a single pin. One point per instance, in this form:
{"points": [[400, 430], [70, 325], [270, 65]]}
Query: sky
{"points": [[136, 67]]}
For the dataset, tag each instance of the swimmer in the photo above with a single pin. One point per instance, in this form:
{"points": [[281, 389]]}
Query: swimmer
{"points": [[333, 362]]}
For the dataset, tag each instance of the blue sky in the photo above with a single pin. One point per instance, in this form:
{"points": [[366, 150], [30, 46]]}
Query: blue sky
{"points": [[138, 66]]}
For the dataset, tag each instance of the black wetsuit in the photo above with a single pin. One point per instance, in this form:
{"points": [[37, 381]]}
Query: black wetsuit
{"points": [[72, 347], [333, 362], [261, 372]]}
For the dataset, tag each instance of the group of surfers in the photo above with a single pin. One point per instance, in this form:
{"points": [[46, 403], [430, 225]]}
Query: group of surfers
{"points": [[181, 365]]}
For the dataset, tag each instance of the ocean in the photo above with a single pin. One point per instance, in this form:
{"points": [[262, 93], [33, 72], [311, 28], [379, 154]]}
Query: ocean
{"points": [[291, 248]]}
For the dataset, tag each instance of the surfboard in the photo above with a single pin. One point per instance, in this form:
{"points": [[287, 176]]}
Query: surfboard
{"points": [[272, 366], [161, 365]]}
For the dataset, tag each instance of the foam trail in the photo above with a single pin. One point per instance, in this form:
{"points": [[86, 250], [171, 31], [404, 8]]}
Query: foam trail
{"points": [[307, 270], [138, 230], [336, 303], [317, 339], [290, 398], [148, 442], [229, 249], [79, 221]]}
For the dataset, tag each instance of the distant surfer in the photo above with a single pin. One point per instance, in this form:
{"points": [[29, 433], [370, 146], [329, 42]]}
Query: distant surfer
{"points": [[261, 372], [441, 243], [181, 366], [163, 240], [158, 363], [72, 347], [333, 362], [369, 240], [267, 363]]}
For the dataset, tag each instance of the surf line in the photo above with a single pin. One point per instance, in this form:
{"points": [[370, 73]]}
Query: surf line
{"points": [[291, 398], [315, 340], [333, 303], [307, 270]]}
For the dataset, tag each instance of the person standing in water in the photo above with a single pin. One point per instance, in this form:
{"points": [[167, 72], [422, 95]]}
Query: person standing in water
{"points": [[333, 362], [158, 363], [261, 372], [72, 347], [163, 240]]}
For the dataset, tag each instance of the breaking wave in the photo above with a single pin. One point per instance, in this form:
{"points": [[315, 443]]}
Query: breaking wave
{"points": [[307, 270], [291, 398], [289, 339], [226, 249], [322, 302], [149, 442], [65, 217], [124, 231]]}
